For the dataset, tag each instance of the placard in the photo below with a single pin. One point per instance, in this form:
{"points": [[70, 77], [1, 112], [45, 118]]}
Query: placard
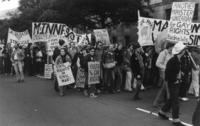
{"points": [[51, 45], [21, 38], [149, 29], [93, 73], [48, 70], [182, 11], [80, 78], [102, 36], [64, 74]]}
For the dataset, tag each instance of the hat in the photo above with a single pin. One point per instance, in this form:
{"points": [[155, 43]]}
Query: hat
{"points": [[178, 48]]}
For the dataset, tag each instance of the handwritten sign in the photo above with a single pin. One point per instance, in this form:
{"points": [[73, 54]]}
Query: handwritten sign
{"points": [[21, 38], [80, 78], [51, 45], [93, 73], [182, 11], [64, 74], [149, 29], [48, 70], [102, 36]]}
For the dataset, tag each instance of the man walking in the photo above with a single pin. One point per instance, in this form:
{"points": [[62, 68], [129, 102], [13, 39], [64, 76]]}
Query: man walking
{"points": [[173, 78]]}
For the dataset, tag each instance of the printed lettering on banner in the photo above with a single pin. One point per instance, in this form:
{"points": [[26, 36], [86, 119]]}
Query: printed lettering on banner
{"points": [[102, 35], [64, 74], [80, 78], [21, 38], [93, 73], [149, 29], [48, 70]]}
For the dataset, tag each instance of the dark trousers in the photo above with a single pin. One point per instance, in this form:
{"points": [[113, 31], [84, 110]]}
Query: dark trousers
{"points": [[185, 85], [173, 101], [109, 79]]}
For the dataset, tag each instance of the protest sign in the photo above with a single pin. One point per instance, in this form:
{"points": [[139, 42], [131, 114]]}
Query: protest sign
{"points": [[181, 21], [51, 45], [80, 78], [48, 70], [21, 38], [182, 11], [64, 74], [102, 36], [149, 29], [194, 39], [93, 73], [44, 31], [1, 47]]}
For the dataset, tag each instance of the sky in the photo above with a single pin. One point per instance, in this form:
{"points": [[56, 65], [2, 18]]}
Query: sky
{"points": [[7, 5]]}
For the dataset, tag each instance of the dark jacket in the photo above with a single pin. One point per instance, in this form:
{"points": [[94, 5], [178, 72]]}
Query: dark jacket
{"points": [[172, 70], [196, 116]]}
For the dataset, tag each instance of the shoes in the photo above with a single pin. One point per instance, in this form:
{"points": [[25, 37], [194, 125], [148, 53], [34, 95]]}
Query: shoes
{"points": [[163, 116], [178, 124], [93, 95], [184, 99]]}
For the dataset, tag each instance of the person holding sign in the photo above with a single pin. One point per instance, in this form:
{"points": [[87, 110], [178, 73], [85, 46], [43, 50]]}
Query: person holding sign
{"points": [[173, 78], [17, 58], [61, 59]]}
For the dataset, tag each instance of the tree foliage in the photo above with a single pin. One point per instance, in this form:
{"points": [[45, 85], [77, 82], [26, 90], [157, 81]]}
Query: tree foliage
{"points": [[90, 13]]}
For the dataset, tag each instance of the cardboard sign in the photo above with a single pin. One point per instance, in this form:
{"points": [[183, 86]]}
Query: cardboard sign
{"points": [[80, 78], [48, 70], [182, 11], [21, 38], [64, 74], [93, 73], [44, 31], [1, 48], [149, 29], [194, 39], [51, 45], [102, 36]]}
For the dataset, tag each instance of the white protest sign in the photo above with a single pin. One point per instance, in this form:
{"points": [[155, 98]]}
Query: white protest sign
{"points": [[21, 38], [64, 74], [181, 21], [102, 36], [1, 47], [194, 39], [51, 45], [182, 11], [93, 73], [80, 78], [149, 29], [48, 70]]}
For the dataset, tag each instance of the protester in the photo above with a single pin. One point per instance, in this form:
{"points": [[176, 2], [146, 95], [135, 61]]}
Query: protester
{"points": [[194, 88], [173, 78], [62, 58], [137, 66], [17, 60], [161, 63], [1, 61]]}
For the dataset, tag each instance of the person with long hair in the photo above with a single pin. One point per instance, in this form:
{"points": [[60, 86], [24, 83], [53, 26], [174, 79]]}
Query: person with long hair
{"points": [[62, 58]]}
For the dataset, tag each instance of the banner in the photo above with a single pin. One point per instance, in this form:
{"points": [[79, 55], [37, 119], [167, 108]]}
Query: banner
{"points": [[102, 36], [93, 73], [44, 31], [21, 38], [182, 11], [80, 78], [149, 28], [194, 39], [64, 74], [48, 70]]}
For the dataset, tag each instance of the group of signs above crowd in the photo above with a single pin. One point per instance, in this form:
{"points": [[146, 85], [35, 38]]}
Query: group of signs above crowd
{"points": [[178, 29], [52, 33]]}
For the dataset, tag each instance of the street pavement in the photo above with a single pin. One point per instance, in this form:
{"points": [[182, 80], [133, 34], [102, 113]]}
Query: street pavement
{"points": [[35, 103]]}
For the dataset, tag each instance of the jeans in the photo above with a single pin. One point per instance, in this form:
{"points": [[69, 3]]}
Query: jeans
{"points": [[18, 67], [109, 79], [118, 77], [173, 101]]}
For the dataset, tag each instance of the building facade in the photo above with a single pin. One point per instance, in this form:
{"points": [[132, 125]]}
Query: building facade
{"points": [[162, 8]]}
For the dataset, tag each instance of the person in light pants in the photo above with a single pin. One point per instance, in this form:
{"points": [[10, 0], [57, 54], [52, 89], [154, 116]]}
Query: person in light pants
{"points": [[17, 60]]}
